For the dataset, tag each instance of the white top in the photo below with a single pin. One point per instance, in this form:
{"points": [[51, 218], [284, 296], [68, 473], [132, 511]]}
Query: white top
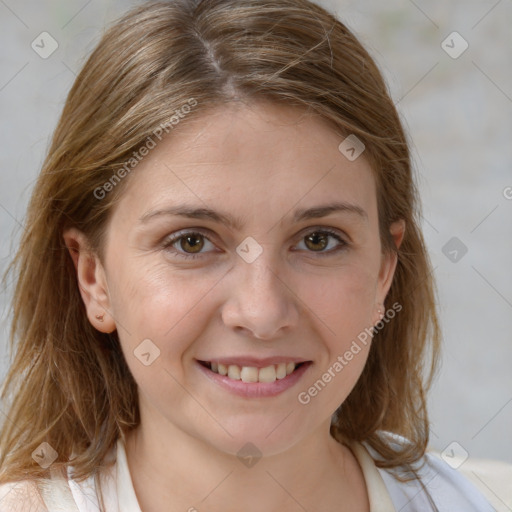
{"points": [[450, 491]]}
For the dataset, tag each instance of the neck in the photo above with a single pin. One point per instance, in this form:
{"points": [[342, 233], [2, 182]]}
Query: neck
{"points": [[178, 472]]}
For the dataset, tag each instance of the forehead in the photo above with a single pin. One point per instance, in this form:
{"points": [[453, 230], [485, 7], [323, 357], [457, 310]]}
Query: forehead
{"points": [[258, 160]]}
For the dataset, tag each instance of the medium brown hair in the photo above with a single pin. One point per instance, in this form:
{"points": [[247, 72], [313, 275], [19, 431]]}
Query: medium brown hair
{"points": [[69, 384]]}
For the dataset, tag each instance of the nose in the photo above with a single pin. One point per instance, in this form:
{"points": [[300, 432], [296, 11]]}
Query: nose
{"points": [[261, 302]]}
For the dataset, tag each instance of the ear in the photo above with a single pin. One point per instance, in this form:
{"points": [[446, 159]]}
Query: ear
{"points": [[389, 261], [92, 281]]}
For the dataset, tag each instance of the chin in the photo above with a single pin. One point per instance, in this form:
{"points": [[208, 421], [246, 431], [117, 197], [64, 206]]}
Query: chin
{"points": [[249, 439]]}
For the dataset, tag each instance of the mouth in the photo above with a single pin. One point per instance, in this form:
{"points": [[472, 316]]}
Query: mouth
{"points": [[262, 381], [253, 374]]}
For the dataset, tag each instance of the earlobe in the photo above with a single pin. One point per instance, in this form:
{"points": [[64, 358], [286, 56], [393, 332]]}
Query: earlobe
{"points": [[91, 280]]}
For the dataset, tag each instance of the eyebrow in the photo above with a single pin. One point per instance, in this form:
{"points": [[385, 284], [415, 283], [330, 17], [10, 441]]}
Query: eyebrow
{"points": [[193, 212]]}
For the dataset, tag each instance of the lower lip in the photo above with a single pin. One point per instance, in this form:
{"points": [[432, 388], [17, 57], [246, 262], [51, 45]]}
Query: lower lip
{"points": [[256, 389]]}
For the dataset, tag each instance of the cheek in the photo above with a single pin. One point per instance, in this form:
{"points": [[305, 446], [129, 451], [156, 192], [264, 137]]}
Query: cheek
{"points": [[154, 303], [344, 300], [343, 307]]}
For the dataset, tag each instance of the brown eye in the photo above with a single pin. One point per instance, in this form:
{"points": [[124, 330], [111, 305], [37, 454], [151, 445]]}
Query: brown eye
{"points": [[188, 245], [192, 243], [317, 241], [324, 242]]}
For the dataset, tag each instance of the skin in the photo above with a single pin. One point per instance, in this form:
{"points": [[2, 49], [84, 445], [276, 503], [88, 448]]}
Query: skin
{"points": [[259, 163]]}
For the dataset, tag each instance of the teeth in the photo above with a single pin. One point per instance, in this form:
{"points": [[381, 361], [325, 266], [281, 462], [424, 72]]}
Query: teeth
{"points": [[281, 370], [268, 374], [253, 374], [234, 372], [249, 374]]}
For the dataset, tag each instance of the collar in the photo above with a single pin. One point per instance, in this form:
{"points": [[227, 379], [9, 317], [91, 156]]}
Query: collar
{"points": [[378, 495]]}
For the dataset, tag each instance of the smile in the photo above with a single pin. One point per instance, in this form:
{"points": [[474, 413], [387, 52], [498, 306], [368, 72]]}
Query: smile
{"points": [[251, 373], [253, 381]]}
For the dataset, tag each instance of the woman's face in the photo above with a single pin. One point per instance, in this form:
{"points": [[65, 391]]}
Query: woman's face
{"points": [[224, 254]]}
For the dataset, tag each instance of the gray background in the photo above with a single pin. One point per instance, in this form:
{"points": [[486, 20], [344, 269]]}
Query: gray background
{"points": [[459, 116]]}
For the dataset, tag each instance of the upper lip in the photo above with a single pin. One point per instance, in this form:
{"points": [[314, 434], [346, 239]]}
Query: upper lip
{"points": [[255, 362]]}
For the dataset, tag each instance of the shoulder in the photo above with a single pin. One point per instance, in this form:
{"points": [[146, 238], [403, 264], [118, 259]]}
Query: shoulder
{"points": [[38, 495], [440, 486], [493, 478], [21, 496], [61, 491]]}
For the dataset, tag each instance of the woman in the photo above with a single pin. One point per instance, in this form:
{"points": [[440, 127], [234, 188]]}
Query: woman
{"points": [[222, 290]]}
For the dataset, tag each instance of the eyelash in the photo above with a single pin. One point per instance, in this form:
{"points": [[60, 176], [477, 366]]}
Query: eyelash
{"points": [[325, 231]]}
